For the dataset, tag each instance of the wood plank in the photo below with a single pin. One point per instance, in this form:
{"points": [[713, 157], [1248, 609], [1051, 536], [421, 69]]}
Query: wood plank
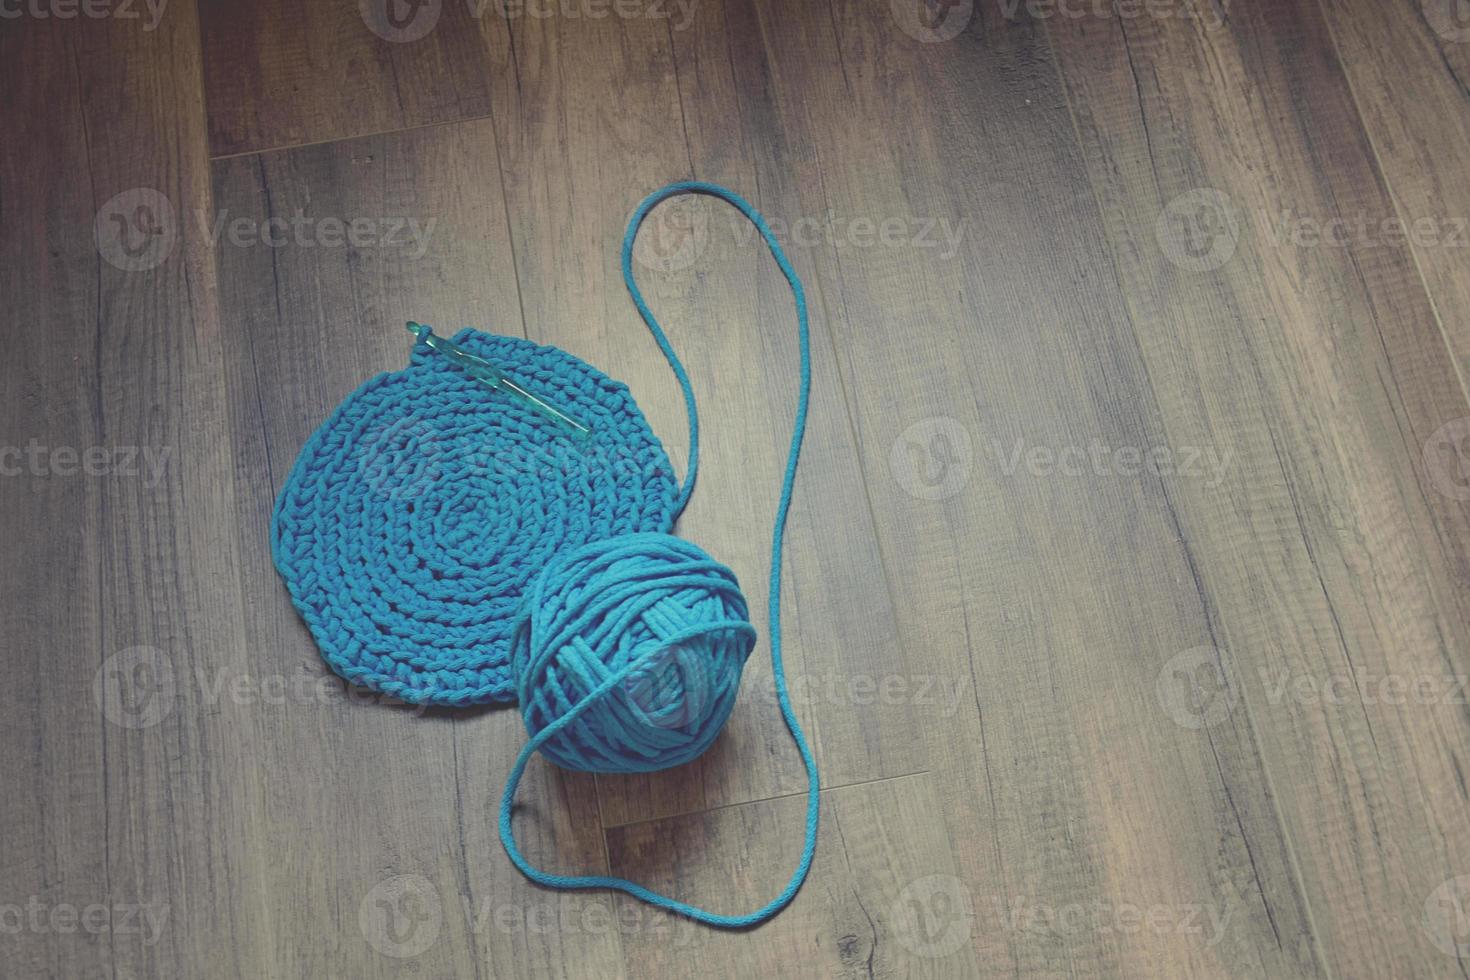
{"points": [[1327, 557], [124, 804], [55, 750], [396, 823], [1407, 65], [281, 73], [1024, 320]]}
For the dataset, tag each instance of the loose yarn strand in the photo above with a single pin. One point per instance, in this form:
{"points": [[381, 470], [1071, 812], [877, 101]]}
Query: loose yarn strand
{"points": [[783, 506]]}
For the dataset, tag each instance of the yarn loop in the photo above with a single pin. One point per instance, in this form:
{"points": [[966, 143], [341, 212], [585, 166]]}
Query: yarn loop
{"points": [[627, 655]]}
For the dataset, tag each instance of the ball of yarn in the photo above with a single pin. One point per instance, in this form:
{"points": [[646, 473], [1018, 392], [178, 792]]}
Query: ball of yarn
{"points": [[640, 639], [418, 514]]}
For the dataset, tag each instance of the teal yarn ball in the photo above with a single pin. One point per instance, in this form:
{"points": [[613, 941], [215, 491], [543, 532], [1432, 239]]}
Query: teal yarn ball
{"points": [[627, 654]]}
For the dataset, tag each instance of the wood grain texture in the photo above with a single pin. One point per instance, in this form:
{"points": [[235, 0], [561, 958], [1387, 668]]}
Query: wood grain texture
{"points": [[1128, 576], [123, 779], [316, 319], [1023, 321], [1323, 367], [281, 73], [1408, 67], [885, 900]]}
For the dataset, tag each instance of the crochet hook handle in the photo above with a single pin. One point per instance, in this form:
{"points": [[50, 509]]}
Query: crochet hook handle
{"points": [[488, 374]]}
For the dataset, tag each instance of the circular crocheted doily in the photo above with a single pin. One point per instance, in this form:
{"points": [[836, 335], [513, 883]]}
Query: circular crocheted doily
{"points": [[419, 511]]}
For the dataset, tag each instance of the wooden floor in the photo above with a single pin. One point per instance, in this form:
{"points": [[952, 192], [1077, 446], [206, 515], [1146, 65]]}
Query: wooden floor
{"points": [[1129, 568]]}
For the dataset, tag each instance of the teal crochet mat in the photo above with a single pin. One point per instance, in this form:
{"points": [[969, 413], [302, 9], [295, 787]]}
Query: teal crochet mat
{"points": [[418, 513]]}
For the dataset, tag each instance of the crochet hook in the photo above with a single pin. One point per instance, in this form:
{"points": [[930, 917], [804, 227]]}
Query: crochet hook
{"points": [[488, 374]]}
